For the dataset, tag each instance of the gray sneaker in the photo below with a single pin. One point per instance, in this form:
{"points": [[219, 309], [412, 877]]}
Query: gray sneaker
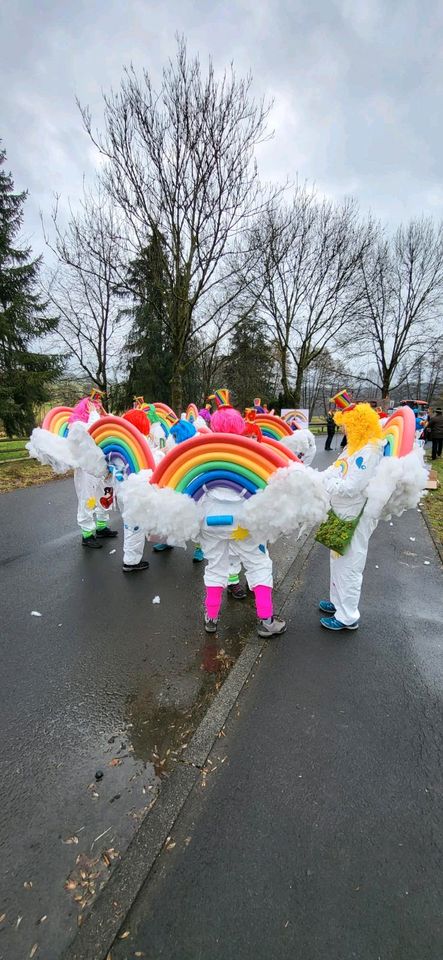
{"points": [[272, 627], [210, 625]]}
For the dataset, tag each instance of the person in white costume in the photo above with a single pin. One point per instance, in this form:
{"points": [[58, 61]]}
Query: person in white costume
{"points": [[228, 544], [346, 482], [92, 514]]}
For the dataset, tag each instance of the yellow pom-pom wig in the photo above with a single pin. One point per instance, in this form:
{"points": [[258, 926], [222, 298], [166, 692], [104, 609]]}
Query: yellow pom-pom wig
{"points": [[362, 425]]}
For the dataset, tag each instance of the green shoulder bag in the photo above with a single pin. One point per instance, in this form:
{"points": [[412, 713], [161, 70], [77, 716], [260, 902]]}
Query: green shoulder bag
{"points": [[335, 533]]}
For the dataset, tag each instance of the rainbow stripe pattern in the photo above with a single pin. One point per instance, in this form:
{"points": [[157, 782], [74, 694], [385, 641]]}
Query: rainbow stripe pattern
{"points": [[56, 421], [192, 412], [342, 465], [273, 427], [165, 414], [295, 415], [221, 460], [221, 397], [342, 400], [123, 445], [399, 433]]}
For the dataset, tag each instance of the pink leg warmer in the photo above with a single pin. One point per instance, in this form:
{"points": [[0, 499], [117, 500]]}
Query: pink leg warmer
{"points": [[263, 602], [213, 601]]}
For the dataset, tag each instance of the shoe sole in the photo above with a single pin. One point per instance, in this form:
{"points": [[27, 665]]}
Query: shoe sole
{"points": [[327, 613], [266, 634], [134, 569], [210, 629], [339, 629], [97, 546]]}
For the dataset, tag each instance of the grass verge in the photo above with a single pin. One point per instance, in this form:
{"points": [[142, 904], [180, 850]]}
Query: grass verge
{"points": [[433, 503], [25, 473]]}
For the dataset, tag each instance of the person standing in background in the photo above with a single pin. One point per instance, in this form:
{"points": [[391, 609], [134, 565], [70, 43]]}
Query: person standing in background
{"points": [[330, 427], [436, 431]]}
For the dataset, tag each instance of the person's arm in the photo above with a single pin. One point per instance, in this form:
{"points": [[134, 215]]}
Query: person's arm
{"points": [[358, 476]]}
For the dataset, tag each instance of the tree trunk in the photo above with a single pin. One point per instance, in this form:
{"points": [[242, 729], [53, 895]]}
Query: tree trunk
{"points": [[298, 386], [287, 398], [177, 390]]}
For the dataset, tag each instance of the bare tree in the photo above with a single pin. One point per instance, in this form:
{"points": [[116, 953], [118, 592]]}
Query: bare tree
{"points": [[84, 287], [403, 289], [310, 255], [181, 160]]}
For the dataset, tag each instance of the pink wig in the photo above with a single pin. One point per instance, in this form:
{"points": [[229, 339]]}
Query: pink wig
{"points": [[227, 420], [81, 411]]}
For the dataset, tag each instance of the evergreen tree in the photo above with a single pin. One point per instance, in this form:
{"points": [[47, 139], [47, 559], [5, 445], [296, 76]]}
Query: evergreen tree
{"points": [[24, 374], [249, 366], [148, 345]]}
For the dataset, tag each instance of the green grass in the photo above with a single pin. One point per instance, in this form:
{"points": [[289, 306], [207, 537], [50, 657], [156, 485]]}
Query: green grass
{"points": [[25, 473], [12, 449], [432, 504]]}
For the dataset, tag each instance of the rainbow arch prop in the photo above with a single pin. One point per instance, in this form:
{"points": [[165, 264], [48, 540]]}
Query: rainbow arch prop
{"points": [[296, 415], [166, 416], [56, 421], [399, 433], [192, 412], [123, 445], [221, 460], [275, 428]]}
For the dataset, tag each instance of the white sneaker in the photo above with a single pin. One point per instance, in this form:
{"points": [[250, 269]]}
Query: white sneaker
{"points": [[272, 627], [210, 625]]}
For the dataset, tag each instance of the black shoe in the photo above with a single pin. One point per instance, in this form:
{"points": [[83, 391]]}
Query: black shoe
{"points": [[106, 532], [92, 543], [132, 567], [237, 591]]}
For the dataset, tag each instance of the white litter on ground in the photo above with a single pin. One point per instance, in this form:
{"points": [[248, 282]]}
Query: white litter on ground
{"points": [[427, 563], [35, 613], [156, 600], [111, 552], [413, 539]]}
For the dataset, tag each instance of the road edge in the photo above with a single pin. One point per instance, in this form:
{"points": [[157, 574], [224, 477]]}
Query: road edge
{"points": [[94, 939]]}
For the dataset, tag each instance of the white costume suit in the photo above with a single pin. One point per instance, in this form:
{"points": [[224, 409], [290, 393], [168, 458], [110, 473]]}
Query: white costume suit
{"points": [[89, 488], [346, 482], [222, 551]]}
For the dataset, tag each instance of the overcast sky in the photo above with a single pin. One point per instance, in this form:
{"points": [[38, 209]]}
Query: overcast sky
{"points": [[357, 84]]}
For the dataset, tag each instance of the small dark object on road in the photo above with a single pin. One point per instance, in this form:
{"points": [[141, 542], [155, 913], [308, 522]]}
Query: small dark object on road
{"points": [[99, 774]]}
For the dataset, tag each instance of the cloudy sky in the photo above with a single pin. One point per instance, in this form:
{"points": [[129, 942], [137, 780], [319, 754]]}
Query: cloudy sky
{"points": [[357, 85]]}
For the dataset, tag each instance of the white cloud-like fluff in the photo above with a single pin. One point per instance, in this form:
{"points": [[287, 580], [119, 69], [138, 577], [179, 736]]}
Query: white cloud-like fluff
{"points": [[158, 510], [294, 500], [397, 485], [78, 449], [302, 443]]}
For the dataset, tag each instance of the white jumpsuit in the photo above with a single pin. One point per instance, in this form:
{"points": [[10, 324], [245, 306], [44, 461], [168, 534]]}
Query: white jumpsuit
{"points": [[346, 482], [89, 490], [223, 548]]}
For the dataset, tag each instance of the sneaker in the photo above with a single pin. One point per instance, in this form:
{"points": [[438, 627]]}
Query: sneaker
{"points": [[210, 625], [159, 547], [331, 623], [272, 627], [106, 532], [91, 542], [132, 567], [198, 555], [326, 606], [237, 591]]}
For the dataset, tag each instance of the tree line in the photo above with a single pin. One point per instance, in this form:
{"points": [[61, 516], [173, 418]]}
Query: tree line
{"points": [[180, 270]]}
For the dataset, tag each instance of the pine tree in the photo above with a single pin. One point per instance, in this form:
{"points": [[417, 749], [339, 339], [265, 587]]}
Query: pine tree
{"points": [[148, 345], [24, 374], [249, 367]]}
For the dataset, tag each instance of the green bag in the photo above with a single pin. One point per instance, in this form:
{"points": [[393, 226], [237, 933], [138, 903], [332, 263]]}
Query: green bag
{"points": [[336, 533]]}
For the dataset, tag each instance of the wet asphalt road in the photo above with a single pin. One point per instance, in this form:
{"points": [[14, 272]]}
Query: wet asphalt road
{"points": [[103, 675], [320, 836]]}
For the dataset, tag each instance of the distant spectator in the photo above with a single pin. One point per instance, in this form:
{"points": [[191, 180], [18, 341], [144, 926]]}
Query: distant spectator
{"points": [[436, 431], [330, 427], [257, 405]]}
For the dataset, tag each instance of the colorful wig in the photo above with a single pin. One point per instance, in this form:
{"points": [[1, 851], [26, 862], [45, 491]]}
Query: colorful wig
{"points": [[228, 420], [205, 414], [82, 410], [139, 420], [362, 425]]}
